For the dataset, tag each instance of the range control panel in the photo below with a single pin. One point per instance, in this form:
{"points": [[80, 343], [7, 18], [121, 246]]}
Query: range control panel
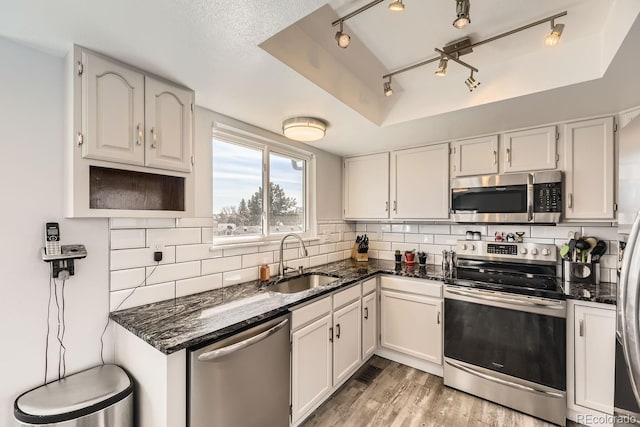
{"points": [[515, 252]]}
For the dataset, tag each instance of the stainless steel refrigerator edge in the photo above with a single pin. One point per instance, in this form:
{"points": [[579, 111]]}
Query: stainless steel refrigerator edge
{"points": [[627, 373]]}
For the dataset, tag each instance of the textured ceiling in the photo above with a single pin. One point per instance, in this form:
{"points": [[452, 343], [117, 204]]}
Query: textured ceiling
{"points": [[213, 47]]}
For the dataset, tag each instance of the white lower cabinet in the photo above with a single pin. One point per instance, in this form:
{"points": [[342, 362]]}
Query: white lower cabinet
{"points": [[411, 324], [346, 341], [369, 324], [594, 356]]}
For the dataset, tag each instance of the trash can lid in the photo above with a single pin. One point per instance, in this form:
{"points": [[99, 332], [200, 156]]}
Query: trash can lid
{"points": [[74, 396]]}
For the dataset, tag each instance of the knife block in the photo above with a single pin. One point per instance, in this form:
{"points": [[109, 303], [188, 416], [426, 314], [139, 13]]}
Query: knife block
{"points": [[359, 257]]}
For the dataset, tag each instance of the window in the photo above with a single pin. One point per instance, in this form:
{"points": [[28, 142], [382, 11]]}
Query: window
{"points": [[242, 209]]}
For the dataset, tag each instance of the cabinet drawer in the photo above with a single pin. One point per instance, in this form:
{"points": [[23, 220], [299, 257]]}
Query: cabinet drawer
{"points": [[346, 296], [310, 312], [368, 286], [430, 288]]}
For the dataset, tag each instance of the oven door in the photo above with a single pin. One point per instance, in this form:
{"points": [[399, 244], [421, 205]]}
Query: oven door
{"points": [[493, 198], [513, 335]]}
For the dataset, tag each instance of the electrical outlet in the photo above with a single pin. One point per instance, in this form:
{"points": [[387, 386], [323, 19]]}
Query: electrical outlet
{"points": [[157, 247]]}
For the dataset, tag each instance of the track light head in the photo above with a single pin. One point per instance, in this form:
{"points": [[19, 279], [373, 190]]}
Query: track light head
{"points": [[471, 82], [442, 67], [462, 14], [553, 38], [396, 6], [387, 88], [342, 38]]}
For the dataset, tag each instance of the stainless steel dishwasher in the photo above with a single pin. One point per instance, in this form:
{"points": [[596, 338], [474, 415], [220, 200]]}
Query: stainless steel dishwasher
{"points": [[243, 380]]}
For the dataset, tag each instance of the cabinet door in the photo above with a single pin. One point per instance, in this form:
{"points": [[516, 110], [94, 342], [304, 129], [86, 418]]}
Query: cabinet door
{"points": [[311, 366], [595, 357], [369, 324], [366, 186], [347, 341], [589, 167], [411, 324], [529, 150], [476, 156], [420, 182], [169, 117], [112, 111]]}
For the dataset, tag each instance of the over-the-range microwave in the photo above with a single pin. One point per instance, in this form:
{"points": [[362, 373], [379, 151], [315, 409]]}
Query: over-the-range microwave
{"points": [[510, 198]]}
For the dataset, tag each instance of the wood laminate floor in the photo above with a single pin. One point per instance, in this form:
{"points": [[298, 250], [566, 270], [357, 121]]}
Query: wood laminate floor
{"points": [[400, 396]]}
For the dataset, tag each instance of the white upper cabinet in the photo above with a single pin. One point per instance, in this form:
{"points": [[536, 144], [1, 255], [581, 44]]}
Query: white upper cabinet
{"points": [[169, 118], [420, 183], [476, 156], [366, 187], [529, 150], [589, 170], [113, 111]]}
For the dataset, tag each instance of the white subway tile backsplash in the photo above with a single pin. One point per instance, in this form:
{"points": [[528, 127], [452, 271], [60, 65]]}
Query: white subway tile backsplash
{"points": [[239, 276], [434, 229], [325, 249], [376, 227], [361, 227], [403, 247], [126, 239], [343, 246], [553, 232], [131, 258], [326, 228], [198, 284], [173, 236], [125, 279], [169, 272], [196, 252], [337, 256], [461, 230], [254, 260], [418, 238], [315, 261], [243, 250], [194, 222], [115, 223], [142, 295], [609, 261], [387, 255], [393, 237], [313, 250], [441, 239], [405, 228], [385, 246], [219, 265], [207, 235], [601, 233]]}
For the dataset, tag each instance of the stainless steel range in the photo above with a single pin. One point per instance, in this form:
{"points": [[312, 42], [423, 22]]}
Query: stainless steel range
{"points": [[505, 327]]}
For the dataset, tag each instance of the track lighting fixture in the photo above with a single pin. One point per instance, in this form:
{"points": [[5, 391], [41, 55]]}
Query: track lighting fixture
{"points": [[342, 38], [553, 38], [387, 88], [471, 82], [396, 6], [442, 67], [462, 14]]}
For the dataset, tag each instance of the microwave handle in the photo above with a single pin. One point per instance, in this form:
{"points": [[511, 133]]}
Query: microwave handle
{"points": [[530, 195]]}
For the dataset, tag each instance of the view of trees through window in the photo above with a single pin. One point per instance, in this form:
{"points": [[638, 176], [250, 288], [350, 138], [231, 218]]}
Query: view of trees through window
{"points": [[238, 192]]}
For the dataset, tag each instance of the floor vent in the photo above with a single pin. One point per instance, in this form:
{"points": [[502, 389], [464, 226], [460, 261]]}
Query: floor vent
{"points": [[368, 374]]}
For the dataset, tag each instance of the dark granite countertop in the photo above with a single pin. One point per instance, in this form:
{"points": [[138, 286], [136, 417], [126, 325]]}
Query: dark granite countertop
{"points": [[194, 320], [605, 292]]}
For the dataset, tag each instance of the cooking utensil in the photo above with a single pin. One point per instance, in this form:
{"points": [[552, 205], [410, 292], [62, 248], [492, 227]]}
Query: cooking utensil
{"points": [[572, 250], [598, 251], [592, 241], [564, 251], [582, 245]]}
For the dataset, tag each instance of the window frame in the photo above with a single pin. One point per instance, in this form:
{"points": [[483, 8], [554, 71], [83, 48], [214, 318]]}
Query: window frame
{"points": [[239, 137]]}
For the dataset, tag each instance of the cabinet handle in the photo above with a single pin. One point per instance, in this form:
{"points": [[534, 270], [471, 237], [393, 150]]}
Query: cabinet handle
{"points": [[570, 200], [366, 312], [140, 135], [581, 327], [330, 334], [395, 206], [495, 157], [386, 206], [338, 331], [509, 155], [154, 137], [438, 320]]}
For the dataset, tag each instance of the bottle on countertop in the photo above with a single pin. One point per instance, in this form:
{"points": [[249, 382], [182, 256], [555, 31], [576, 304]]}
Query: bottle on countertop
{"points": [[265, 273]]}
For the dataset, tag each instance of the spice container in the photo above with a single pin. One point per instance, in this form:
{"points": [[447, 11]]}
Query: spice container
{"points": [[265, 273]]}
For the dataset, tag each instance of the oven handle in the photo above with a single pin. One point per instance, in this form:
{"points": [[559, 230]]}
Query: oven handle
{"points": [[530, 197], [528, 303], [504, 382]]}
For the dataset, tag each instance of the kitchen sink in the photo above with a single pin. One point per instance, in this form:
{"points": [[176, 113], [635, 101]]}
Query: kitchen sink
{"points": [[291, 285]]}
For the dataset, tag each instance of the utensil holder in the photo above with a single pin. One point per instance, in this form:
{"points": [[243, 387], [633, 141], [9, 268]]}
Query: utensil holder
{"points": [[581, 272]]}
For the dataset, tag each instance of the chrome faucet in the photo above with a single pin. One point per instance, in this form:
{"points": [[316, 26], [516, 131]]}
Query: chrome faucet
{"points": [[282, 269]]}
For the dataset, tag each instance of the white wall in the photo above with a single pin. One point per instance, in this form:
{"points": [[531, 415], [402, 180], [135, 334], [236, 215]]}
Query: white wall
{"points": [[31, 129]]}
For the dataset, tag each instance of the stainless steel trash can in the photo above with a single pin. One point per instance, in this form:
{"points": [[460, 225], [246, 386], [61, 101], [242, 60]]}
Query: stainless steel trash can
{"points": [[98, 397]]}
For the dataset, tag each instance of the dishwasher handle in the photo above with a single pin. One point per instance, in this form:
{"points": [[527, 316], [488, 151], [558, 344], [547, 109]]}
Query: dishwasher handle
{"points": [[224, 351]]}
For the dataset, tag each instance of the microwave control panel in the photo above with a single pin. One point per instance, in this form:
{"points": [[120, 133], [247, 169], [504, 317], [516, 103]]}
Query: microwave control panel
{"points": [[547, 197]]}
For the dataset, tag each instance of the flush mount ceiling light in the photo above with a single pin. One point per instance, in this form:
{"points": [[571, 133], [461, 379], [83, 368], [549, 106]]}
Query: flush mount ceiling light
{"points": [[342, 38], [396, 6], [553, 38], [387, 88], [462, 14], [304, 129], [452, 51], [471, 82]]}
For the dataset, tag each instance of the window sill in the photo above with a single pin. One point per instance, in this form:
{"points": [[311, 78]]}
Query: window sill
{"points": [[257, 243]]}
